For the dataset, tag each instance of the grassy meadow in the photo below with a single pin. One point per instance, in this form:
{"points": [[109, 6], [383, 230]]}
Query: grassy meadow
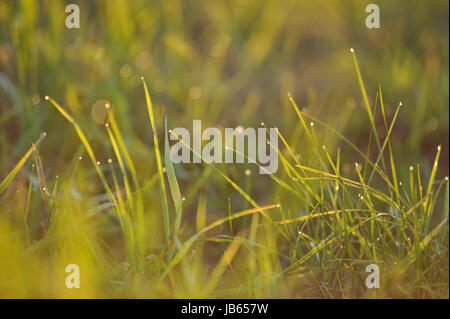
{"points": [[86, 177]]}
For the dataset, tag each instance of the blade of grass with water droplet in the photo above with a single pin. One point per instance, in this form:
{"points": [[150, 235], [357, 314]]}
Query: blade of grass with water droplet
{"points": [[162, 186], [87, 147], [139, 205]]}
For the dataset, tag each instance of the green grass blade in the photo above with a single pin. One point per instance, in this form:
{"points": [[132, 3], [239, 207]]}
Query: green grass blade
{"points": [[162, 185], [87, 146], [5, 182], [173, 183]]}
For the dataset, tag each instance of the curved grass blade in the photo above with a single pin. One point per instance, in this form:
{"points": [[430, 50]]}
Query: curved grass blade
{"points": [[179, 256], [87, 146]]}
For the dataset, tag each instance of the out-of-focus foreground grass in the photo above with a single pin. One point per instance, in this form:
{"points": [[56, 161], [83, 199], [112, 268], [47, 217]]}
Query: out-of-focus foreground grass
{"points": [[309, 231]]}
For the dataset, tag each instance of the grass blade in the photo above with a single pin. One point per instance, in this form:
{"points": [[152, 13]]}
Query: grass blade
{"points": [[173, 183], [5, 182], [162, 186]]}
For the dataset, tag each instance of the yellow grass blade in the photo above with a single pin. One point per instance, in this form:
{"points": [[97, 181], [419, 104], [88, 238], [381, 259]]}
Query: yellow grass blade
{"points": [[5, 182], [162, 186]]}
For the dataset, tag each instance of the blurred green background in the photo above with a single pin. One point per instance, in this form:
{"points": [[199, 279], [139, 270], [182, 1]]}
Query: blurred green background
{"points": [[225, 62]]}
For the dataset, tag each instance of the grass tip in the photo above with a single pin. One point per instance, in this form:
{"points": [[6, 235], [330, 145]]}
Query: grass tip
{"points": [[109, 160], [107, 105], [411, 168], [47, 97], [352, 50], [439, 148], [312, 123]]}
